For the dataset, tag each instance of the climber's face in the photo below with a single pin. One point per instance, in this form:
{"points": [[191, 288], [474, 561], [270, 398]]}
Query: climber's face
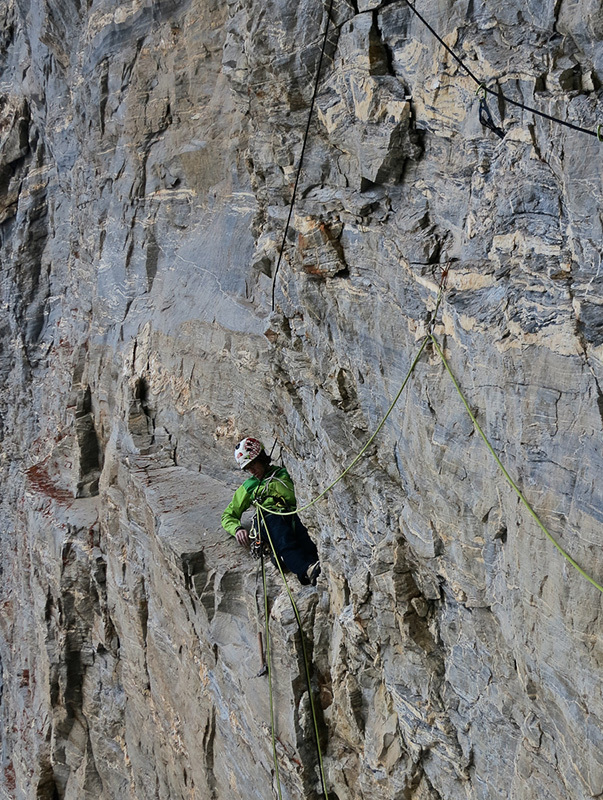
{"points": [[256, 468]]}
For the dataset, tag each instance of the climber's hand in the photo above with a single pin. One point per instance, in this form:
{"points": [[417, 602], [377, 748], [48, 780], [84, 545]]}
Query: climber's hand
{"points": [[242, 537]]}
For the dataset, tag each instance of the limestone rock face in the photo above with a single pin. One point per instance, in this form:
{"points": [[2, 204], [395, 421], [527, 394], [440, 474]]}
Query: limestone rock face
{"points": [[148, 154]]}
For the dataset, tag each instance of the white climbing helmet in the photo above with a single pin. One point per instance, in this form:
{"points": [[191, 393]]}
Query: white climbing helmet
{"points": [[246, 450]]}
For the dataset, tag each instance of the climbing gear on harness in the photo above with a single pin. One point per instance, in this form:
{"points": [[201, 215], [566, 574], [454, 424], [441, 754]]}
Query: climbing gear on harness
{"points": [[247, 450], [257, 547]]}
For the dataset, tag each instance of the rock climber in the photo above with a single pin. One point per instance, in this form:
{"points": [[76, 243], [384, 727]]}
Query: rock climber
{"points": [[272, 487]]}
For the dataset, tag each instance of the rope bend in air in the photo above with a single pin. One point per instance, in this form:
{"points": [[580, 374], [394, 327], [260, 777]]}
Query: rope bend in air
{"points": [[429, 337], [509, 479]]}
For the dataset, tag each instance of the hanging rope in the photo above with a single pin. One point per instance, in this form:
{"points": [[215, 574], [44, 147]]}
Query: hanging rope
{"points": [[263, 527], [270, 691], [506, 474], [431, 323], [430, 337], [486, 119], [303, 150], [485, 116], [264, 531]]}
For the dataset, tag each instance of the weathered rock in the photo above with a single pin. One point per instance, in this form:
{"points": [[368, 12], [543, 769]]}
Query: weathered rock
{"points": [[148, 154], [366, 112]]}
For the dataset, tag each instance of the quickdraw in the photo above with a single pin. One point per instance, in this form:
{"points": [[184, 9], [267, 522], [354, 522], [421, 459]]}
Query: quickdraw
{"points": [[257, 546], [486, 119]]}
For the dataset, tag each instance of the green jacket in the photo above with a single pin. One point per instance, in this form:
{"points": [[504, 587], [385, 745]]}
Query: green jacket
{"points": [[275, 490]]}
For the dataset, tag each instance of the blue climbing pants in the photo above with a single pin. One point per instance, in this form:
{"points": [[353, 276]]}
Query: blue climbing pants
{"points": [[292, 542]]}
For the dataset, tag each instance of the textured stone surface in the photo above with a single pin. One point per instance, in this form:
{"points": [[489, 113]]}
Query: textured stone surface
{"points": [[147, 158]]}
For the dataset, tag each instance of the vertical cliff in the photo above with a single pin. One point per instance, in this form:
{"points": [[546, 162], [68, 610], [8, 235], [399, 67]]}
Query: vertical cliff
{"points": [[148, 154]]}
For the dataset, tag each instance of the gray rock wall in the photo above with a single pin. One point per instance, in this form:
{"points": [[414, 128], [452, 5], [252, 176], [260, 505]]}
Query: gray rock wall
{"points": [[148, 153]]}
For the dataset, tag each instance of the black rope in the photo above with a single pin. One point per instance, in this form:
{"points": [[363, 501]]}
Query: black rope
{"points": [[441, 41], [495, 92], [484, 114], [596, 134], [303, 150]]}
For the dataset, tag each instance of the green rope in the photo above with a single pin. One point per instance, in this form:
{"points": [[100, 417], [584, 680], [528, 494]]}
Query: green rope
{"points": [[261, 509], [269, 665], [508, 477], [366, 446], [264, 527]]}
